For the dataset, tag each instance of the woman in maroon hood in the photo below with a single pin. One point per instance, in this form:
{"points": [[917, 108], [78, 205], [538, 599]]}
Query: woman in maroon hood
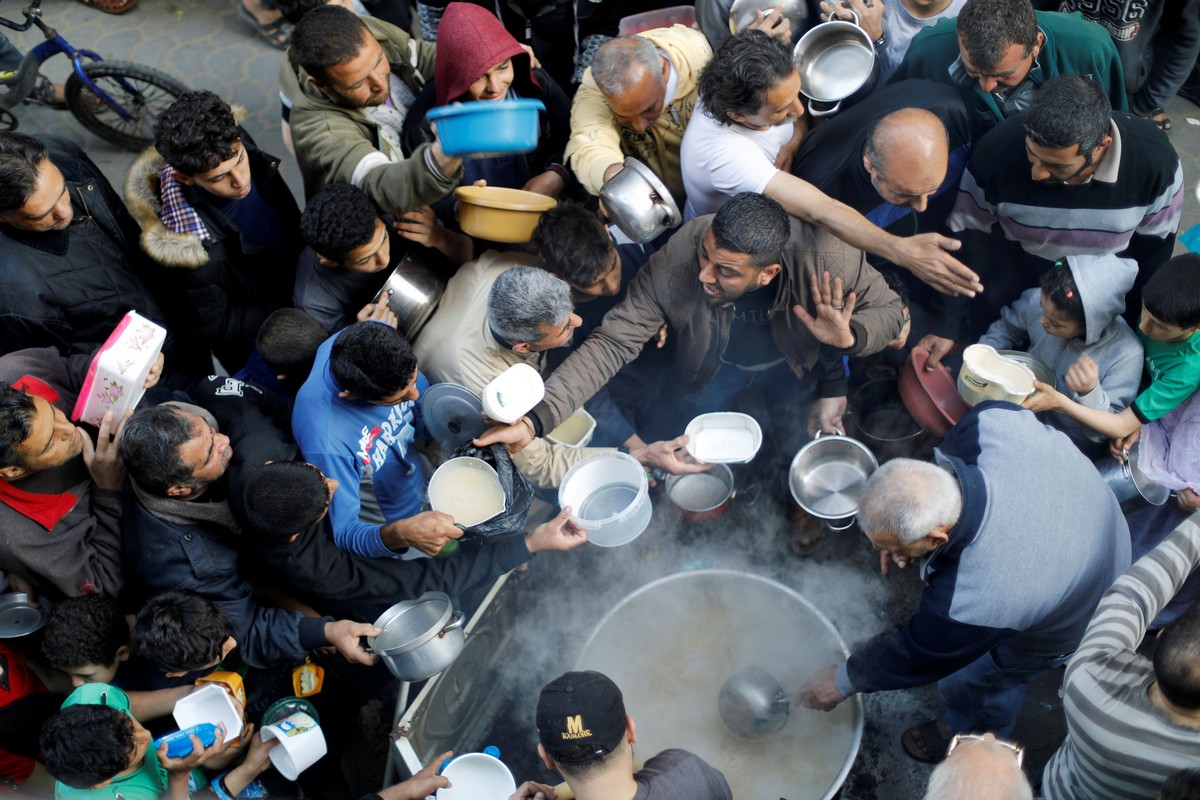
{"points": [[478, 60]]}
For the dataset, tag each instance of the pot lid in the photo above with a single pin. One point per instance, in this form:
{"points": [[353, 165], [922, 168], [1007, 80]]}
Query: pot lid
{"points": [[18, 617], [453, 414]]}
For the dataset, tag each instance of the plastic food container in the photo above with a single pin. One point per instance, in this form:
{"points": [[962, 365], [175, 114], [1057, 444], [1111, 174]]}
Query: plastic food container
{"points": [[511, 394], [301, 744], [987, 375], [210, 703], [609, 497], [477, 776], [115, 380], [723, 438], [499, 214], [482, 129], [575, 431], [468, 489]]}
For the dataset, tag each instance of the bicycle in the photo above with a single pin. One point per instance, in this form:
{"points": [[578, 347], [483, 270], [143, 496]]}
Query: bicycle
{"points": [[116, 100]]}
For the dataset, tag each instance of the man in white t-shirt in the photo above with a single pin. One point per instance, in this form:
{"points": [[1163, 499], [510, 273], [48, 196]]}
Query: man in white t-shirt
{"points": [[742, 140]]}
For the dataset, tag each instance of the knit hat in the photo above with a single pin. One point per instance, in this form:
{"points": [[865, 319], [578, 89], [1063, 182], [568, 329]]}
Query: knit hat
{"points": [[581, 709]]}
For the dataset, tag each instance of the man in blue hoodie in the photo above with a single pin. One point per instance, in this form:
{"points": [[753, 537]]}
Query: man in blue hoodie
{"points": [[356, 418], [1019, 538]]}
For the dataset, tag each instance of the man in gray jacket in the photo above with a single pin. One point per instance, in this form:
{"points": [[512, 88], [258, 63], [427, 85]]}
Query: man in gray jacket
{"points": [[349, 83], [754, 298]]}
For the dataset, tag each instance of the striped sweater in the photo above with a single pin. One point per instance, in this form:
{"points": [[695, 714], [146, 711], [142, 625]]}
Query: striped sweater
{"points": [[1120, 746]]}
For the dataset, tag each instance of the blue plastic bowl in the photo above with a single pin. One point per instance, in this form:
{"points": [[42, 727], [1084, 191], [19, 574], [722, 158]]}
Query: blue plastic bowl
{"points": [[486, 128]]}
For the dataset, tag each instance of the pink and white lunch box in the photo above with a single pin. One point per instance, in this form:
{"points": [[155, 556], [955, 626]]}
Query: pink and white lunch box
{"points": [[116, 379]]}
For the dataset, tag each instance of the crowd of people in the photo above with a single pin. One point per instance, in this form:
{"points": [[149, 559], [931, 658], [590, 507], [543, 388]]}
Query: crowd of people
{"points": [[1009, 181]]}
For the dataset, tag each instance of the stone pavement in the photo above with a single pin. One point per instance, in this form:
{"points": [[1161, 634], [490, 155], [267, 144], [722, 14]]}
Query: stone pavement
{"points": [[204, 44]]}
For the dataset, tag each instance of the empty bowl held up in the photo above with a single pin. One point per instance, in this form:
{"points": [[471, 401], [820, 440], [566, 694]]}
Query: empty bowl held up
{"points": [[499, 214], [486, 128], [930, 396]]}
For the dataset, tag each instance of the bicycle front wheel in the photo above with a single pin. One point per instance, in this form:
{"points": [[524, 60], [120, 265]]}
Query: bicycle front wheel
{"points": [[143, 92]]}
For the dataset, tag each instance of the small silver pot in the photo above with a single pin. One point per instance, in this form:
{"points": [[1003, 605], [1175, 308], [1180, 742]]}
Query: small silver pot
{"points": [[420, 637], [1128, 482], [639, 203], [837, 65], [412, 292], [827, 478]]}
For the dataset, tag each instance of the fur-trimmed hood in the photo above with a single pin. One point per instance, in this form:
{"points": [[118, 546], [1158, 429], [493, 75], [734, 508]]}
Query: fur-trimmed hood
{"points": [[143, 196]]}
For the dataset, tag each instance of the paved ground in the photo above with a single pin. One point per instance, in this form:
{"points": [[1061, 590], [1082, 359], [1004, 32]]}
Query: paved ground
{"points": [[203, 43]]}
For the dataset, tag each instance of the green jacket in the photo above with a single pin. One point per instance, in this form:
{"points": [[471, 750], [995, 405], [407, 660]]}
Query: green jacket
{"points": [[1073, 46], [336, 144]]}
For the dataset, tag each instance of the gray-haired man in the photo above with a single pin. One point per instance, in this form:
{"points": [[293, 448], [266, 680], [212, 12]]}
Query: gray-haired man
{"points": [[501, 310]]}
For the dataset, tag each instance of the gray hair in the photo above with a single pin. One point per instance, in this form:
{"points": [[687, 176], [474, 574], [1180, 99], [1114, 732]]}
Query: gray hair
{"points": [[523, 299], [150, 443], [907, 499], [613, 66], [955, 778]]}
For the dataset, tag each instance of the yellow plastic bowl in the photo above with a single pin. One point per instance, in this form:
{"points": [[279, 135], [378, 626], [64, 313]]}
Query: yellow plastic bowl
{"points": [[499, 214]]}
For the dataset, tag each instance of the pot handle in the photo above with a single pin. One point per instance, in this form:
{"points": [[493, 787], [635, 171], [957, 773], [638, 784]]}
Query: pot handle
{"points": [[750, 491], [456, 621], [833, 17], [817, 111], [819, 434]]}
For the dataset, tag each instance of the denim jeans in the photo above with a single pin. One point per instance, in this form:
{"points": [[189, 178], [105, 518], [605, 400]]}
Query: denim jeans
{"points": [[986, 694]]}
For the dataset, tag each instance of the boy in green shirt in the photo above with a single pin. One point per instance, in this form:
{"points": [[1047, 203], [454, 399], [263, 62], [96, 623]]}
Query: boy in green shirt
{"points": [[95, 749], [1169, 331]]}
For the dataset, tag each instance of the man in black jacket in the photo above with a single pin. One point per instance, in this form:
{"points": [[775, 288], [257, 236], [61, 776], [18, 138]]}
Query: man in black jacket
{"points": [[219, 219], [69, 263], [285, 505]]}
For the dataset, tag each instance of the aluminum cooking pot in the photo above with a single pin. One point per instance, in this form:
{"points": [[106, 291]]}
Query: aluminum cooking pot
{"points": [[837, 65], [744, 12], [412, 292], [701, 496], [827, 478], [1128, 482], [639, 203], [420, 637]]}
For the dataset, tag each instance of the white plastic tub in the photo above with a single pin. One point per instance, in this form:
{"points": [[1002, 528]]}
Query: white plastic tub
{"points": [[609, 497]]}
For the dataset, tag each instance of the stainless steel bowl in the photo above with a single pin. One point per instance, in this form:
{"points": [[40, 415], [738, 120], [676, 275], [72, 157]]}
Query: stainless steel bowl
{"points": [[413, 292], [639, 203]]}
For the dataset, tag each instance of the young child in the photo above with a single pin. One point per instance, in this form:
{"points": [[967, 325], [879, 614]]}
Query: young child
{"points": [[284, 350], [88, 638], [1169, 331], [1073, 325]]}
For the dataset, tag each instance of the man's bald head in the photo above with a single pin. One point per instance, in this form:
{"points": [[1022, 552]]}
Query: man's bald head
{"points": [[981, 770], [906, 155], [632, 76]]}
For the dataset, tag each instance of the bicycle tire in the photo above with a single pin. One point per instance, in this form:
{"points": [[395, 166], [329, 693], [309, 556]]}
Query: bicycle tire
{"points": [[153, 92]]}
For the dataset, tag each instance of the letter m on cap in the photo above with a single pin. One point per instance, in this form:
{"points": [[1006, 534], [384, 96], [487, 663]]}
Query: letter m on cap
{"points": [[575, 724]]}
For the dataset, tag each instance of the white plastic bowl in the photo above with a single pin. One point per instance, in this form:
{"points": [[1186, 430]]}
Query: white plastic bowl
{"points": [[210, 703], [724, 437], [477, 776], [512, 393], [609, 497]]}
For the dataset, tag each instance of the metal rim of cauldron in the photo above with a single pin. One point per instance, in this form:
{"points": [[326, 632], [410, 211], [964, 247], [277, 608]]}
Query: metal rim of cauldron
{"points": [[856, 738]]}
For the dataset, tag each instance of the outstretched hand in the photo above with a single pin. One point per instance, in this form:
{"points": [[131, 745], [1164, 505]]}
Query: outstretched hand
{"points": [[927, 255], [831, 325]]}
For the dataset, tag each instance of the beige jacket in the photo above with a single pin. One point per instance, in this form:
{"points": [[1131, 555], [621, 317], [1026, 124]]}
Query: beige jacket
{"points": [[597, 141], [456, 346]]}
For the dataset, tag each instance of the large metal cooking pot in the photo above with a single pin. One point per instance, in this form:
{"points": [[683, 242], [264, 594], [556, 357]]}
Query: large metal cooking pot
{"points": [[744, 12], [878, 415], [420, 637], [837, 65], [412, 292], [639, 203], [672, 644], [827, 478]]}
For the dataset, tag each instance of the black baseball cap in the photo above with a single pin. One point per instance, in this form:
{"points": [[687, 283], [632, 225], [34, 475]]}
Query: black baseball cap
{"points": [[581, 710]]}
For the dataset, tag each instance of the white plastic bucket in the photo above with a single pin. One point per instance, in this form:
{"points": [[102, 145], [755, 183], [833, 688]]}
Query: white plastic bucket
{"points": [[477, 776], [301, 744], [609, 497]]}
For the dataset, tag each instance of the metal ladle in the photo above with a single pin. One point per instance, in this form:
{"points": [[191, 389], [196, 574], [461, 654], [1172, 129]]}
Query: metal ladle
{"points": [[753, 704]]}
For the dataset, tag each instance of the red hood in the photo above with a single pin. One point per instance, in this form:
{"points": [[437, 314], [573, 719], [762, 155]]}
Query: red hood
{"points": [[470, 42]]}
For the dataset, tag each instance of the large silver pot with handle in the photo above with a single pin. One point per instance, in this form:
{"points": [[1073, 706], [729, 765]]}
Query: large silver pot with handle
{"points": [[837, 65], [412, 292], [420, 637], [828, 476], [639, 203]]}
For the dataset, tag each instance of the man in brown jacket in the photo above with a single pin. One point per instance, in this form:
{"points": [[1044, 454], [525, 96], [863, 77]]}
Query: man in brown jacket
{"points": [[748, 292]]}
